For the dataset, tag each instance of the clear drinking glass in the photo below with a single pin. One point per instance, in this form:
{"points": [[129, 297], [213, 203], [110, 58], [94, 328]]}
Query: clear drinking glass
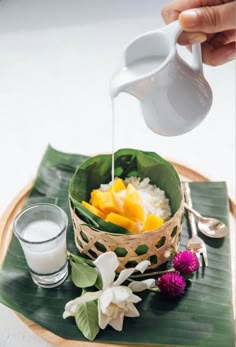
{"points": [[41, 231]]}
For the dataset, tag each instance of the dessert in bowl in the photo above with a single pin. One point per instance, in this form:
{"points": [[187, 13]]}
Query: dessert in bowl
{"points": [[137, 214]]}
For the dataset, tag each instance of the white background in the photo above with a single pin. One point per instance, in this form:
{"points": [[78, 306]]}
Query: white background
{"points": [[56, 61]]}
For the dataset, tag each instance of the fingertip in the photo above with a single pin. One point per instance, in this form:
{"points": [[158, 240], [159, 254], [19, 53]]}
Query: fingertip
{"points": [[169, 14], [191, 38], [198, 38], [188, 19]]}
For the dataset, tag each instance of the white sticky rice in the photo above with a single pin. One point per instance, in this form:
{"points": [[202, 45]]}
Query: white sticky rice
{"points": [[153, 198]]}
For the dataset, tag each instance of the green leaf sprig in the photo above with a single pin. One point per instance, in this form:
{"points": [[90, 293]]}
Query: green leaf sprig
{"points": [[83, 271], [84, 275], [86, 318]]}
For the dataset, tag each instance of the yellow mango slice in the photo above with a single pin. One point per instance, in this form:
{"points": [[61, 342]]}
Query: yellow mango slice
{"points": [[132, 204], [94, 210], [152, 222], [131, 189], [104, 201], [95, 198], [121, 221], [117, 186]]}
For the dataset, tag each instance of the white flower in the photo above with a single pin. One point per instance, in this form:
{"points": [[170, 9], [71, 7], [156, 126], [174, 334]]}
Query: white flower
{"points": [[114, 300]]}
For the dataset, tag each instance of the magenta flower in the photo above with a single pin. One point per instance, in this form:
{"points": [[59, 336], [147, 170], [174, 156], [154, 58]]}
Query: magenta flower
{"points": [[185, 262], [171, 284]]}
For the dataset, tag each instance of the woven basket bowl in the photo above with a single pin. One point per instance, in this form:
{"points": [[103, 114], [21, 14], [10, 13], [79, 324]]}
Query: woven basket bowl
{"points": [[157, 246]]}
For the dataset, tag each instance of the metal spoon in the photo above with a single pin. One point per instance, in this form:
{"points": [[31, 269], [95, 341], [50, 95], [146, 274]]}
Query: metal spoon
{"points": [[210, 227]]}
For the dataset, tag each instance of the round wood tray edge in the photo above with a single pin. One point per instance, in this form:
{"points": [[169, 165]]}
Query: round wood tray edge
{"points": [[6, 235]]}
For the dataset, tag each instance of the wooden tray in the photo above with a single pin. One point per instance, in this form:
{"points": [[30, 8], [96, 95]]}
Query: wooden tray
{"points": [[6, 235]]}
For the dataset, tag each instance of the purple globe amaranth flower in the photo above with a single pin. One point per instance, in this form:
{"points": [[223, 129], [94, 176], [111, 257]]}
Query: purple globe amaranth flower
{"points": [[171, 284], [185, 262]]}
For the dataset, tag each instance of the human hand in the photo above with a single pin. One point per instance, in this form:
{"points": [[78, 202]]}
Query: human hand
{"points": [[210, 22]]}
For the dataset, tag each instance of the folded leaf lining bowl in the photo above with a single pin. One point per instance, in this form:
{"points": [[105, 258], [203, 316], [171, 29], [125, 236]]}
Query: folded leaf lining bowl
{"points": [[94, 236]]}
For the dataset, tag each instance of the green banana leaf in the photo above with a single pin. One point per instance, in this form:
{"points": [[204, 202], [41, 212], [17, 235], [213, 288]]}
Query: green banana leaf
{"points": [[128, 162], [203, 317]]}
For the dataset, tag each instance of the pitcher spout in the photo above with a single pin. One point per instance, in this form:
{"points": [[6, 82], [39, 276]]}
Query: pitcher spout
{"points": [[123, 82], [143, 58]]}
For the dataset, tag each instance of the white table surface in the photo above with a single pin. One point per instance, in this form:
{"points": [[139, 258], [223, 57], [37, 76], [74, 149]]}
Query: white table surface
{"points": [[56, 61]]}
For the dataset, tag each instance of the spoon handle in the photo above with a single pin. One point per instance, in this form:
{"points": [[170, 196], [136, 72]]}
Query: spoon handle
{"points": [[193, 211], [189, 204], [187, 194]]}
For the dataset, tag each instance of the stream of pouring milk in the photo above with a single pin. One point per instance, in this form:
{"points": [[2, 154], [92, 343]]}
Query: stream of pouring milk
{"points": [[113, 139], [127, 75]]}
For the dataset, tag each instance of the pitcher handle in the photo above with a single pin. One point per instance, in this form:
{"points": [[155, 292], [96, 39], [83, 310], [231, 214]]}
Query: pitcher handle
{"points": [[173, 30], [197, 57]]}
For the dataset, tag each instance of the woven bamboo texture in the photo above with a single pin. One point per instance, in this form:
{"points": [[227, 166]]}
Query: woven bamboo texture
{"points": [[157, 246]]}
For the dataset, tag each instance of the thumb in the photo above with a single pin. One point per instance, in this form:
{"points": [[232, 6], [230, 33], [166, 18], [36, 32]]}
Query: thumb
{"points": [[209, 19]]}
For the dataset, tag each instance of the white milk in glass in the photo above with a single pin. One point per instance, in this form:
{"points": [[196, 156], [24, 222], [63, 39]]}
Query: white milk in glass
{"points": [[44, 259]]}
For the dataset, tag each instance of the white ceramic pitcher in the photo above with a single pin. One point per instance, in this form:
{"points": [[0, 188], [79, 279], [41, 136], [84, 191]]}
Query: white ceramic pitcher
{"points": [[175, 97]]}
